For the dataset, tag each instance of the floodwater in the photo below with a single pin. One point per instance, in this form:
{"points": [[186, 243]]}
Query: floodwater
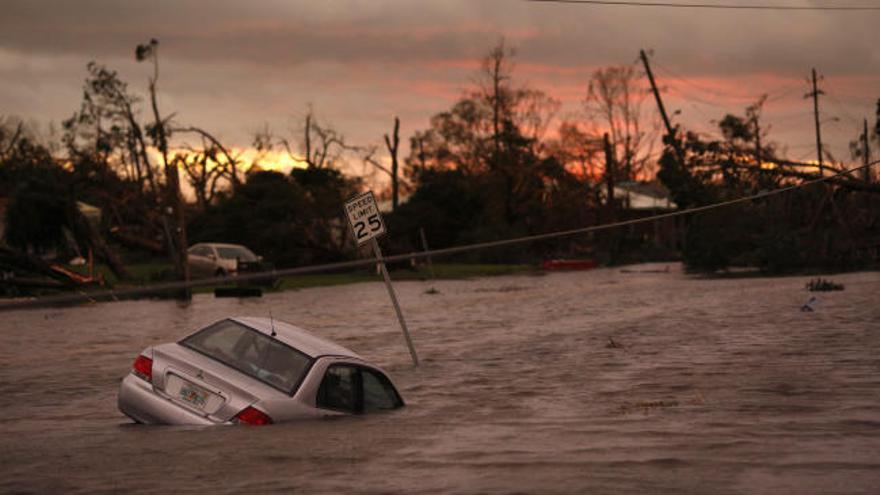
{"points": [[711, 386]]}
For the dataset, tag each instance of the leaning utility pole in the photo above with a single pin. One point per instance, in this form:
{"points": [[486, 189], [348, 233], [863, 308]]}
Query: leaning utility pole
{"points": [[866, 154], [815, 95], [669, 130]]}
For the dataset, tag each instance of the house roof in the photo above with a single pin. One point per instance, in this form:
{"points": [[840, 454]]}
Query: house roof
{"points": [[296, 337], [655, 190]]}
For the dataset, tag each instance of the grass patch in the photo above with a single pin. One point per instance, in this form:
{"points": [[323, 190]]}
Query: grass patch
{"points": [[141, 273]]}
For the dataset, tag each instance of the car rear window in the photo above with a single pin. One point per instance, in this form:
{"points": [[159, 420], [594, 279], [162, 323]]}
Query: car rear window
{"points": [[252, 353]]}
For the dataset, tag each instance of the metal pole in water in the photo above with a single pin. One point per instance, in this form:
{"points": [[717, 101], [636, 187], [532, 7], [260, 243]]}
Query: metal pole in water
{"points": [[428, 257], [378, 253]]}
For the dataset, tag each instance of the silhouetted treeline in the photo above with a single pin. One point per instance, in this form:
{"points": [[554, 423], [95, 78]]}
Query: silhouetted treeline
{"points": [[834, 225]]}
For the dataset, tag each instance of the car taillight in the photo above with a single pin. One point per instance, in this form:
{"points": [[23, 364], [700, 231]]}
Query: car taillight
{"points": [[143, 368], [251, 416]]}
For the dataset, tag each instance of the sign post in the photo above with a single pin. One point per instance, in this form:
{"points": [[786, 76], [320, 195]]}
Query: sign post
{"points": [[366, 225]]}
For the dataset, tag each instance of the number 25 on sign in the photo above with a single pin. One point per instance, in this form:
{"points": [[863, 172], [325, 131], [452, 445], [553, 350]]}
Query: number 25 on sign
{"points": [[364, 217]]}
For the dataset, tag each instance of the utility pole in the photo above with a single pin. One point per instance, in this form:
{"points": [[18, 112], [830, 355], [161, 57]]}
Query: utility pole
{"points": [[669, 130], [815, 95], [393, 144], [757, 140], [866, 153], [609, 176]]}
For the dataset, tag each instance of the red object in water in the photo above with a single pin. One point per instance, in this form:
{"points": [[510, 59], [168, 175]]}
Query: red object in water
{"points": [[569, 265]]}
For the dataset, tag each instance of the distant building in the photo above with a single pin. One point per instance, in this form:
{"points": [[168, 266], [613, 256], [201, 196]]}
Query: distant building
{"points": [[634, 200], [643, 196], [91, 212]]}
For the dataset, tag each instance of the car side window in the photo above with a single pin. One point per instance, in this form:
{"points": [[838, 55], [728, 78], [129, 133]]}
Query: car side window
{"points": [[379, 394], [338, 389], [201, 251]]}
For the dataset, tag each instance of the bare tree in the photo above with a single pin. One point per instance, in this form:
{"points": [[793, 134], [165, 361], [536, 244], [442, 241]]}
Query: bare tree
{"points": [[106, 125], [495, 88], [579, 150], [392, 144], [11, 131], [322, 146], [614, 102], [208, 164], [175, 227]]}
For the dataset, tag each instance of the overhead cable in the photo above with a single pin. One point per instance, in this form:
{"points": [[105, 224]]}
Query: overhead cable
{"points": [[839, 8]]}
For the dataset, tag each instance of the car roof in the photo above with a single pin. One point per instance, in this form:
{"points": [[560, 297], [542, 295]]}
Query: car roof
{"points": [[296, 337]]}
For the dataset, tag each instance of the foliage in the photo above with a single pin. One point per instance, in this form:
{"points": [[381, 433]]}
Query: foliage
{"points": [[822, 226], [482, 170], [289, 219], [614, 103], [40, 198]]}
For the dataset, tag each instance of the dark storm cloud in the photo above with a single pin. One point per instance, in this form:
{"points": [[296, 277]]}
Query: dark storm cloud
{"points": [[361, 61], [293, 33]]}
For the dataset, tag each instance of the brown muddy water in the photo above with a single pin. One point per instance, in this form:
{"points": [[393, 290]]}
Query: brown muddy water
{"points": [[716, 386]]}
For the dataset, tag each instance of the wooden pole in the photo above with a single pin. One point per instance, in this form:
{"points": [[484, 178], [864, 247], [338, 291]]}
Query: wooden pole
{"points": [[393, 144], [669, 129], [609, 176], [425, 247], [381, 260], [866, 153], [815, 95]]}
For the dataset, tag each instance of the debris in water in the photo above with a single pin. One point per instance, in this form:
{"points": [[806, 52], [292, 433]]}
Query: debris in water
{"points": [[613, 345], [432, 291], [808, 306], [822, 285]]}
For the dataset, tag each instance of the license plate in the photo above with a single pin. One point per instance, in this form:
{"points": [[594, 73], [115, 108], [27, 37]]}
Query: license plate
{"points": [[194, 395]]}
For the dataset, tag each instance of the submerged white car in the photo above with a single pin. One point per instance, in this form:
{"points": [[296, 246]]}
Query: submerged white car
{"points": [[254, 371]]}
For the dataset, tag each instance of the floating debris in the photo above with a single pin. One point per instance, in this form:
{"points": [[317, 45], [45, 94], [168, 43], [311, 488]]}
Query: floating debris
{"points": [[822, 285], [613, 345], [808, 306], [432, 291]]}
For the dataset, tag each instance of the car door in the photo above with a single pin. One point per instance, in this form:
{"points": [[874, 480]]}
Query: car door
{"points": [[200, 262], [339, 389], [354, 389]]}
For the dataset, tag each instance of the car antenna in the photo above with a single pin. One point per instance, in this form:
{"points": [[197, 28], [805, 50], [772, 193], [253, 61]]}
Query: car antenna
{"points": [[272, 323]]}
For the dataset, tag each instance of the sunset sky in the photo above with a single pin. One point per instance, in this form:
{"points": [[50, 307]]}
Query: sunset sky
{"points": [[234, 66]]}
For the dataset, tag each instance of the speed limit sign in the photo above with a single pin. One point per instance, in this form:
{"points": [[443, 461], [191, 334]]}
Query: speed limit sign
{"points": [[366, 224], [364, 217]]}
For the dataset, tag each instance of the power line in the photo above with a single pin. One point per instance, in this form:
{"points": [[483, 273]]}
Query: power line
{"points": [[713, 6], [772, 96], [691, 98], [842, 109], [273, 274]]}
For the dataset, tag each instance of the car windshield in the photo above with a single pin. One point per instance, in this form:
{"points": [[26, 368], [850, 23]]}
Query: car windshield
{"points": [[252, 353], [231, 253]]}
